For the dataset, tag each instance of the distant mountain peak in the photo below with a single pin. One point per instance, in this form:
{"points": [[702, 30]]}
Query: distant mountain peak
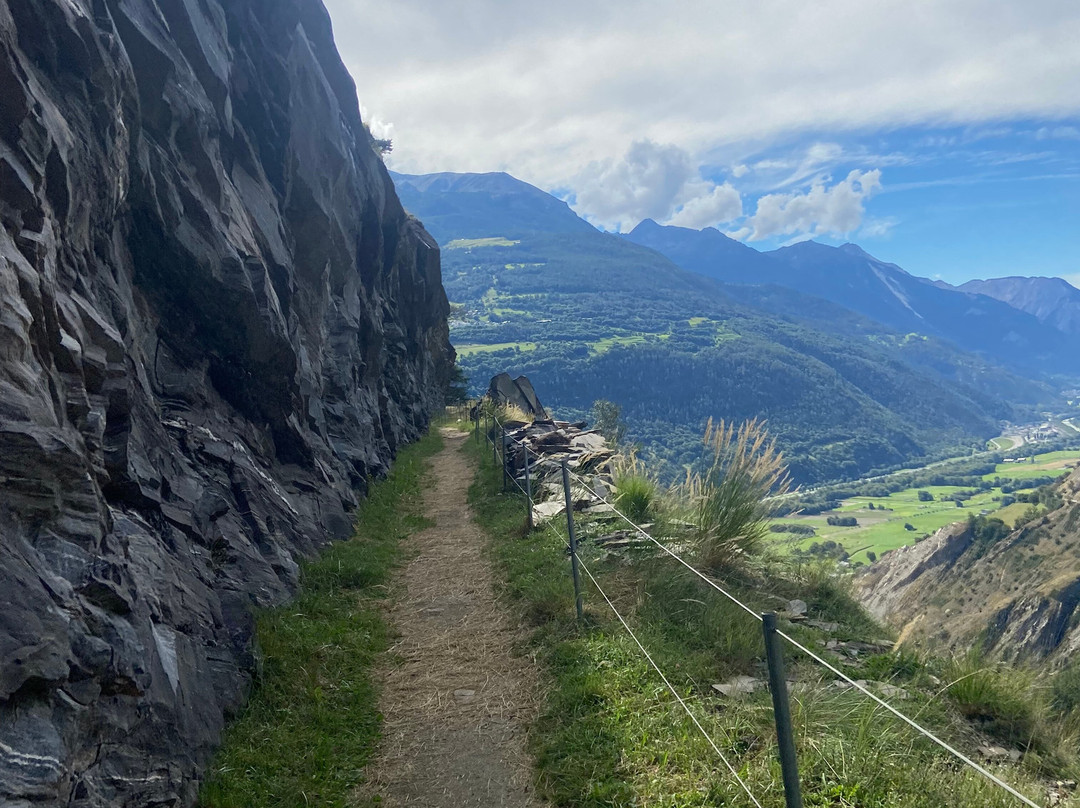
{"points": [[707, 251], [1053, 301], [480, 205], [645, 225], [855, 249], [468, 182]]}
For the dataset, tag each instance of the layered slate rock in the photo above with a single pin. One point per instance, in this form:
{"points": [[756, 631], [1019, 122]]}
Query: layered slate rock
{"points": [[216, 323], [517, 392]]}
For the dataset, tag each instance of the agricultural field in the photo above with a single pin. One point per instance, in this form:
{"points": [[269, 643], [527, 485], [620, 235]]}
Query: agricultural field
{"points": [[468, 350], [606, 344], [883, 528], [475, 243], [1049, 464], [1005, 443]]}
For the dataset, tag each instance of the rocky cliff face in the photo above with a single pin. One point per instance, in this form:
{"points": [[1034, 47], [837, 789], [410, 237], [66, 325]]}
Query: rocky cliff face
{"points": [[216, 321], [1016, 597]]}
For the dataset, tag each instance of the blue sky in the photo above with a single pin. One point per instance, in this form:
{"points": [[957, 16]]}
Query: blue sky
{"points": [[954, 202], [942, 135]]}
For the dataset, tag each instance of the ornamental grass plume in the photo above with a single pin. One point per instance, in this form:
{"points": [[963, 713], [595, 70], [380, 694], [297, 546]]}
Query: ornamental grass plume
{"points": [[730, 503]]}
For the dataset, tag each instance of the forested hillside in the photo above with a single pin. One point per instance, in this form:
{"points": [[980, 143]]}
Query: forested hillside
{"points": [[587, 315]]}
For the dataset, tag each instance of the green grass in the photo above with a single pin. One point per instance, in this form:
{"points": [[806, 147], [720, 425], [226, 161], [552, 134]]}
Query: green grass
{"points": [[636, 497], [312, 722], [468, 350], [1047, 464], [723, 333], [610, 734], [470, 243], [502, 312], [1010, 513], [997, 698], [606, 344], [1002, 444], [882, 530]]}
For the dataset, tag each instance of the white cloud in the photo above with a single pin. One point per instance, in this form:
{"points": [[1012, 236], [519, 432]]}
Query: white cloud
{"points": [[1057, 133], [878, 227], [740, 170], [721, 204], [836, 210], [546, 89], [378, 128], [652, 181], [647, 182]]}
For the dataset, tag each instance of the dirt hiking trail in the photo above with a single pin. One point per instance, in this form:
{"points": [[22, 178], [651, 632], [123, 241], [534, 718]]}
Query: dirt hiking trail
{"points": [[456, 699]]}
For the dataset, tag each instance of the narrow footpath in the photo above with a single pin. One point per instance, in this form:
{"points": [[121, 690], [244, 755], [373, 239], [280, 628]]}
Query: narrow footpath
{"points": [[455, 697]]}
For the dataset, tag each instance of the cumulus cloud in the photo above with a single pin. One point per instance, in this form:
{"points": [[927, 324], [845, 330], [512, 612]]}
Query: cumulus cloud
{"points": [[836, 210], [721, 204], [378, 128], [645, 183], [652, 181]]}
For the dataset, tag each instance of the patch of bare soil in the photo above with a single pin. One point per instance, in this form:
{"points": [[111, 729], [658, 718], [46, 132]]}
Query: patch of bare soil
{"points": [[457, 700]]}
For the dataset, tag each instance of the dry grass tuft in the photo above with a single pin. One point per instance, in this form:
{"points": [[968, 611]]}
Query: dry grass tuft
{"points": [[729, 503]]}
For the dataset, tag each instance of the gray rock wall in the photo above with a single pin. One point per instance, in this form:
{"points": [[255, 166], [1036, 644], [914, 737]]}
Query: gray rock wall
{"points": [[216, 321]]}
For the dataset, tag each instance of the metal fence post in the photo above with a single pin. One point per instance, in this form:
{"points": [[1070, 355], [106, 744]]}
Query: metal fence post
{"points": [[774, 656], [573, 538], [494, 449], [528, 490], [503, 439]]}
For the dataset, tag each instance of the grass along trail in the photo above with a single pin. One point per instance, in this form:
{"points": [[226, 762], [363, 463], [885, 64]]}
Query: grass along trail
{"points": [[312, 722], [456, 699]]}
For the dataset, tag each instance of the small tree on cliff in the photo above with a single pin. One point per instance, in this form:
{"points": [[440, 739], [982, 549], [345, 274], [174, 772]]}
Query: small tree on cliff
{"points": [[457, 391], [382, 146], [607, 420]]}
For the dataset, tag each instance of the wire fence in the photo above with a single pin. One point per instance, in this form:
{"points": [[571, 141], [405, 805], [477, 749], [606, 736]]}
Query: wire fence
{"points": [[497, 434]]}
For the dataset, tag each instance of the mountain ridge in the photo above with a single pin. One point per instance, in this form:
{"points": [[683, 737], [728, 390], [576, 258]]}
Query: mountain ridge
{"points": [[507, 199], [885, 292], [1054, 301], [594, 314]]}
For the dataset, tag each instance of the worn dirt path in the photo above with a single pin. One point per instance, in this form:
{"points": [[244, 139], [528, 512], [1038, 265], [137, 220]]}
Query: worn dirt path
{"points": [[455, 697]]}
